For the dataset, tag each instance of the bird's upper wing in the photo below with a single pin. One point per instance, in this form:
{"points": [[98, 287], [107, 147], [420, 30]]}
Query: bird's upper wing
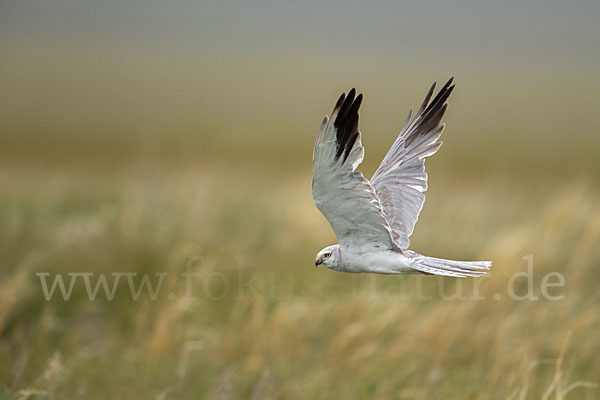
{"points": [[401, 179], [344, 196]]}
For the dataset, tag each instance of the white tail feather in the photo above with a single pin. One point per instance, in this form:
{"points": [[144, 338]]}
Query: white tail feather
{"points": [[461, 269]]}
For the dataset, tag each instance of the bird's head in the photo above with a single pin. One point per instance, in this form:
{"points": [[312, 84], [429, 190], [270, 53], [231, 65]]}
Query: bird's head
{"points": [[329, 256]]}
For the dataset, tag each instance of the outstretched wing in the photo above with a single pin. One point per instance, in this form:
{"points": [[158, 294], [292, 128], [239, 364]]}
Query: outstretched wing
{"points": [[401, 179], [344, 196]]}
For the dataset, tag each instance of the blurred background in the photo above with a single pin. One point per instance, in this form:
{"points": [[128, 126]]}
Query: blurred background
{"points": [[162, 137]]}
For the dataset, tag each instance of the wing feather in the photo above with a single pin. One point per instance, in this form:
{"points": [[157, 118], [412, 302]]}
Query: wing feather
{"points": [[344, 196], [401, 180]]}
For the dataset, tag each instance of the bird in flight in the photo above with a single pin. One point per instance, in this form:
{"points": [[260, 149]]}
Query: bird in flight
{"points": [[374, 219]]}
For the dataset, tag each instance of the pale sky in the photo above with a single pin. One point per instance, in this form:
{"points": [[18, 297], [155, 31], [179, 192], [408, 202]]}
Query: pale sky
{"points": [[239, 68]]}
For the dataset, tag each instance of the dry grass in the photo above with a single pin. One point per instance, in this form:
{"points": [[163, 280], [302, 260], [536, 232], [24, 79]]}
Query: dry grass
{"points": [[279, 328]]}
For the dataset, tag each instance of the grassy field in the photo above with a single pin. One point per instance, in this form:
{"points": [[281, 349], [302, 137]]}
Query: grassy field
{"points": [[158, 234], [258, 320]]}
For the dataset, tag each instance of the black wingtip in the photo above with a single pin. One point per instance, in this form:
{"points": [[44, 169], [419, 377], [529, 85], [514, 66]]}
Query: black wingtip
{"points": [[431, 112], [339, 102], [442, 96], [427, 98], [355, 105], [343, 110], [346, 123]]}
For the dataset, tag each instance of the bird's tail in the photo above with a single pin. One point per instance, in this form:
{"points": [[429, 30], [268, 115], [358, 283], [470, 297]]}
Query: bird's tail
{"points": [[460, 269]]}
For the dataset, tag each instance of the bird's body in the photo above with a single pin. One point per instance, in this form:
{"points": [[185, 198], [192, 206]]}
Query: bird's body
{"points": [[374, 219], [381, 261]]}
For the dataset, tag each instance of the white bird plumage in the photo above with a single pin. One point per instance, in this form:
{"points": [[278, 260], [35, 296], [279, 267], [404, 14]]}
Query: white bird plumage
{"points": [[374, 220]]}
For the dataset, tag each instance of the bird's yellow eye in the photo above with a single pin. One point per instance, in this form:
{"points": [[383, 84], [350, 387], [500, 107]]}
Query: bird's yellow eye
{"points": [[327, 255]]}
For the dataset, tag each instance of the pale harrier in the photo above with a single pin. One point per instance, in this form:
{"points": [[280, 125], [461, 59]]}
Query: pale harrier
{"points": [[374, 219]]}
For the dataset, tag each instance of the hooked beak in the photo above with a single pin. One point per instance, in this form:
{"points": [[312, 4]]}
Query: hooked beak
{"points": [[318, 262]]}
